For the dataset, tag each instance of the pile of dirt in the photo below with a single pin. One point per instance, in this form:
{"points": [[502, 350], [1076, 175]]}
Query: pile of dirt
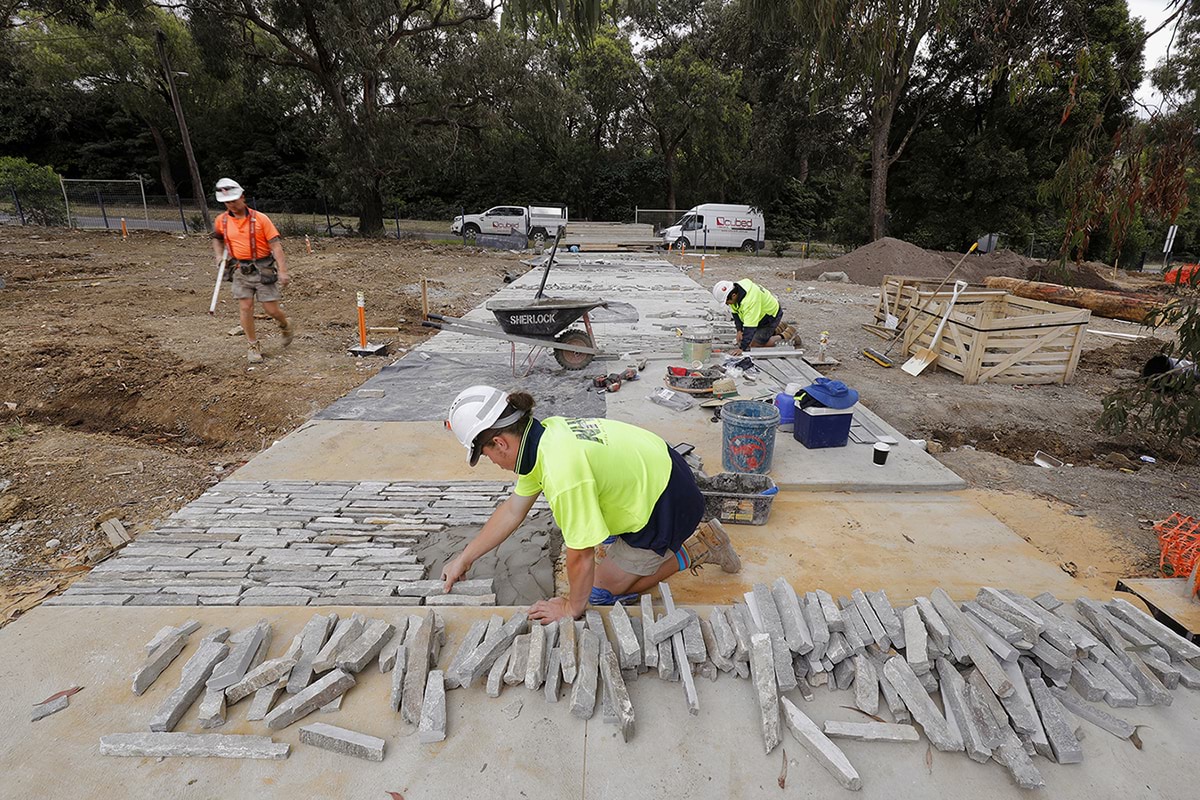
{"points": [[1086, 275], [1004, 263], [887, 256]]}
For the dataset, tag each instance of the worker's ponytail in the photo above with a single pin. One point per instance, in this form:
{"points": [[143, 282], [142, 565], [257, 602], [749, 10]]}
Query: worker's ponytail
{"points": [[521, 401]]}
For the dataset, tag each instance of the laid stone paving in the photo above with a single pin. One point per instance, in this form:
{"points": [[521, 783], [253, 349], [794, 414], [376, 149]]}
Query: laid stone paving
{"points": [[292, 542]]}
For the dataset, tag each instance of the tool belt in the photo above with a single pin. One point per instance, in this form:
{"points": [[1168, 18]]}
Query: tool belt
{"points": [[266, 268]]}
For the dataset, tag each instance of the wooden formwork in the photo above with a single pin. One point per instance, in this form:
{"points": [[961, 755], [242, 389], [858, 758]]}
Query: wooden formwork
{"points": [[999, 337]]}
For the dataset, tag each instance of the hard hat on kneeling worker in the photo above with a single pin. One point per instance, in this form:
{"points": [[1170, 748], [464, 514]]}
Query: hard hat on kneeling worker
{"points": [[721, 290], [475, 410]]}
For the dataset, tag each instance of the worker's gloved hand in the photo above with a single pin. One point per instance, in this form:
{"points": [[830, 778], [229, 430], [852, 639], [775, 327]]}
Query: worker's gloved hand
{"points": [[453, 572], [551, 610]]}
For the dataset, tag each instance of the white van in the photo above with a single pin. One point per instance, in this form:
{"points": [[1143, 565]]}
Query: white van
{"points": [[718, 225]]}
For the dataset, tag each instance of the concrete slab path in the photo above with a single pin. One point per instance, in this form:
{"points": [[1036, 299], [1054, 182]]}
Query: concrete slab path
{"points": [[418, 388]]}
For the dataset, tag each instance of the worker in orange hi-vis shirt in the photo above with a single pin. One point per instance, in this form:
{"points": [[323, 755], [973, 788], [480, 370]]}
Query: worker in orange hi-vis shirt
{"points": [[256, 263]]}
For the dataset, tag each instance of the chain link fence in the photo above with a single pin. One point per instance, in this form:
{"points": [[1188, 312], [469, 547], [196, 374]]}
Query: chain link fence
{"points": [[109, 205]]}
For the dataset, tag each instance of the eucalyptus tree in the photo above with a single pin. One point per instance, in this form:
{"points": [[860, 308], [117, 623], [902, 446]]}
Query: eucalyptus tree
{"points": [[875, 45], [360, 56], [110, 58]]}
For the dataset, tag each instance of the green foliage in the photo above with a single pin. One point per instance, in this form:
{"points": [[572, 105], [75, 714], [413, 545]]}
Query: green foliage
{"points": [[37, 188], [1165, 409], [424, 109]]}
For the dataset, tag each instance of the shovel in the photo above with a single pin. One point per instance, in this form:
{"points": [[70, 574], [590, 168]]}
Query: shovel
{"points": [[927, 355], [890, 320]]}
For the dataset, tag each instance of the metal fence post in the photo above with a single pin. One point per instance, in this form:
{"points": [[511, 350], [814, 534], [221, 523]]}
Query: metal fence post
{"points": [[462, 229], [705, 240], [757, 239], [182, 218], [66, 202], [103, 213], [328, 221], [397, 222], [17, 203], [145, 210]]}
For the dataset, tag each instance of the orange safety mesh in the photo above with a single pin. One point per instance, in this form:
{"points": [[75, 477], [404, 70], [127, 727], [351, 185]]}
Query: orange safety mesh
{"points": [[1179, 543]]}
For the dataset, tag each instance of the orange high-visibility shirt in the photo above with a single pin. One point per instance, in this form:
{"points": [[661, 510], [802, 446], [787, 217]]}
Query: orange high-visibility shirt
{"points": [[235, 231]]}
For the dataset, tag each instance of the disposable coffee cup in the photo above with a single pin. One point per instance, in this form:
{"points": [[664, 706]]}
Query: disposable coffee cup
{"points": [[880, 453]]}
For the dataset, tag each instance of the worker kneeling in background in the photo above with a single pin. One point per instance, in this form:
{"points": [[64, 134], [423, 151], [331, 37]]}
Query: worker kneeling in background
{"points": [[605, 481], [757, 314]]}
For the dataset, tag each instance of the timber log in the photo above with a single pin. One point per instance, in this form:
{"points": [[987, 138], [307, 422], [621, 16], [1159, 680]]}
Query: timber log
{"points": [[1114, 305]]}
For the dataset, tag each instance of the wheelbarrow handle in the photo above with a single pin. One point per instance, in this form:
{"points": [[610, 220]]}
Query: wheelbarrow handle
{"points": [[428, 324]]}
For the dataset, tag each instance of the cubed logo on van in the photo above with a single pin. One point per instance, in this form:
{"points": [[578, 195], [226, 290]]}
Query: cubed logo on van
{"points": [[736, 223]]}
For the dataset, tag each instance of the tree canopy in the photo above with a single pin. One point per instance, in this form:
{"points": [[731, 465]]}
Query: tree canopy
{"points": [[932, 120]]}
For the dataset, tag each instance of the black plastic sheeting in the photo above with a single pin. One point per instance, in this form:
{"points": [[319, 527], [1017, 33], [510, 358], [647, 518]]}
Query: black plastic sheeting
{"points": [[421, 386]]}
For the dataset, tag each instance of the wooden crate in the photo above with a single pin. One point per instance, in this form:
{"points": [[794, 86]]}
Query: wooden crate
{"points": [[898, 294], [999, 338]]}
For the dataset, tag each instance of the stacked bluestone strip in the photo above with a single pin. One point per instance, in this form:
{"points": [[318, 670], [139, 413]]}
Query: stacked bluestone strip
{"points": [[1001, 677], [297, 543]]}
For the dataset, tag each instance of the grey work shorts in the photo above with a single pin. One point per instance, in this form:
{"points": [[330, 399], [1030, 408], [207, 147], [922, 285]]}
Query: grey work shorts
{"points": [[250, 287]]}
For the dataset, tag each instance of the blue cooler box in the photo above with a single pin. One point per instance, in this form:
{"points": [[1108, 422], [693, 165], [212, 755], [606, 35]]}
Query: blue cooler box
{"points": [[822, 427]]}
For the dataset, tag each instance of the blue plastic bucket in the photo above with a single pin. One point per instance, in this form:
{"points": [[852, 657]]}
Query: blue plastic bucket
{"points": [[749, 436]]}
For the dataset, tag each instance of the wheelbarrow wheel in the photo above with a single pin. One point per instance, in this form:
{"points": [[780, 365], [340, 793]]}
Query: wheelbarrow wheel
{"points": [[569, 359]]}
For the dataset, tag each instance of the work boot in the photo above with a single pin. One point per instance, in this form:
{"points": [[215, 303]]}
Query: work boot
{"points": [[254, 354], [710, 545], [288, 329]]}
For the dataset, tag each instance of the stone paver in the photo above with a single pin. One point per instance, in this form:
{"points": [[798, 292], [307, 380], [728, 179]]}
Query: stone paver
{"points": [[43, 710], [191, 685], [818, 745], [341, 740], [191, 745], [271, 543]]}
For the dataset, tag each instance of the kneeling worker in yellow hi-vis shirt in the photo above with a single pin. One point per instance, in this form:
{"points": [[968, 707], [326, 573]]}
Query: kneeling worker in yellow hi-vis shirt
{"points": [[604, 480], [757, 314]]}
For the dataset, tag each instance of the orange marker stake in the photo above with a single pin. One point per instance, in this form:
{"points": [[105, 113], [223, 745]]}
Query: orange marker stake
{"points": [[308, 243], [124, 230], [701, 265], [362, 321]]}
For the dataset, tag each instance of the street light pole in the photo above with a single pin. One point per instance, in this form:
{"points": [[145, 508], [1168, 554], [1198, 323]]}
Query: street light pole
{"points": [[160, 44]]}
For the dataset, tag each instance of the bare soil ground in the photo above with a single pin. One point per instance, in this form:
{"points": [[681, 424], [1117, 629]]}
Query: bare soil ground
{"points": [[122, 398]]}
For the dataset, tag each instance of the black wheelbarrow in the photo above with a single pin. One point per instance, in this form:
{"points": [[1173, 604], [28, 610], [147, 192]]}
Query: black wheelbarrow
{"points": [[543, 323]]}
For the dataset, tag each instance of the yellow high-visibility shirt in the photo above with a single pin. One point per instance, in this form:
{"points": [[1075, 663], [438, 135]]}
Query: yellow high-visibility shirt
{"points": [[601, 477]]}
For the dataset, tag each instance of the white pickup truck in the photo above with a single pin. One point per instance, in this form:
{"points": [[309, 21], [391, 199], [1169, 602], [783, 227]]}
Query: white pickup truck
{"points": [[539, 223]]}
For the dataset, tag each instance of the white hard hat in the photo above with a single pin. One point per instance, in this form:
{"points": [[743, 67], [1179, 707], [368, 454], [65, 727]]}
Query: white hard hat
{"points": [[722, 289], [475, 410], [228, 190]]}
